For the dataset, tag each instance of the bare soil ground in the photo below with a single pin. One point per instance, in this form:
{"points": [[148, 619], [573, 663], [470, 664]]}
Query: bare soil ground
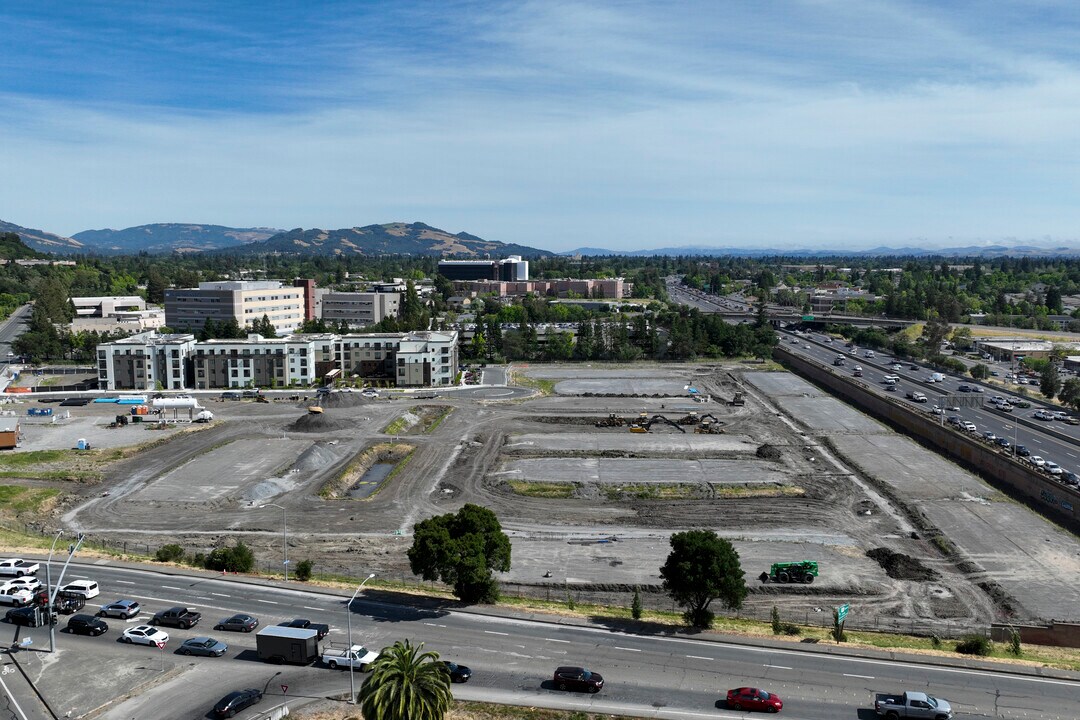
{"points": [[627, 492]]}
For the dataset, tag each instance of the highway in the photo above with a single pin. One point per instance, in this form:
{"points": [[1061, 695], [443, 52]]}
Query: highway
{"points": [[1056, 441], [662, 676], [12, 328]]}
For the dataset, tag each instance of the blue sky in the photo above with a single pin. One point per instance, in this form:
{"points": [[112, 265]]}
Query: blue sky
{"points": [[619, 124]]}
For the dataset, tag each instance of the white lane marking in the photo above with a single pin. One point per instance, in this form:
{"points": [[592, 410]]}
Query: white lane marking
{"points": [[864, 677], [203, 597], [434, 625], [779, 667], [554, 640], [308, 607], [699, 657], [170, 587], [268, 602], [11, 697], [220, 594], [627, 649], [492, 632], [1069, 454], [123, 582]]}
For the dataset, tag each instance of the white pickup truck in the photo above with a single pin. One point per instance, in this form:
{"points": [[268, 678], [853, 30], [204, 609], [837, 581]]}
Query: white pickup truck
{"points": [[357, 657], [18, 567]]}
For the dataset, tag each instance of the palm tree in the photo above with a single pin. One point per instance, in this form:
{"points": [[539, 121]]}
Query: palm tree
{"points": [[406, 684]]}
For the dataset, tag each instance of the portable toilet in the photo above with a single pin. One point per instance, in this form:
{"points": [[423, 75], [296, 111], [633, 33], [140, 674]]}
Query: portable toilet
{"points": [[82, 443]]}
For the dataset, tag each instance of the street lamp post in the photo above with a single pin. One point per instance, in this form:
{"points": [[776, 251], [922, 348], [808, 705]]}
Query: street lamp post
{"points": [[352, 670], [60, 581], [284, 536], [48, 588]]}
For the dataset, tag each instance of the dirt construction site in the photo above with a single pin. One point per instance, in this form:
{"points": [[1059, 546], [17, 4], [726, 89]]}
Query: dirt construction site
{"points": [[589, 476]]}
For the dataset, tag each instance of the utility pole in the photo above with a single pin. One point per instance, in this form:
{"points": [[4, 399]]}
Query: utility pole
{"points": [[72, 549]]}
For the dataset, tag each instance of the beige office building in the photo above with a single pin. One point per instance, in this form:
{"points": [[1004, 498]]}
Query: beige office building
{"points": [[245, 301]]}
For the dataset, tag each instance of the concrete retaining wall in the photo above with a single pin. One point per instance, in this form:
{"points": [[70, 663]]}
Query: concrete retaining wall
{"points": [[1057, 502]]}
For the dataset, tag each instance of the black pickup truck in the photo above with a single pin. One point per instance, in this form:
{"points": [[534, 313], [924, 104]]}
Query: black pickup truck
{"points": [[321, 630], [179, 617]]}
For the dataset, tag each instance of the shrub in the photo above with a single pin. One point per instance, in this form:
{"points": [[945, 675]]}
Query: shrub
{"points": [[635, 606], [1014, 643], [169, 553], [235, 559], [303, 570], [569, 601], [777, 626], [975, 645], [935, 641], [790, 629]]}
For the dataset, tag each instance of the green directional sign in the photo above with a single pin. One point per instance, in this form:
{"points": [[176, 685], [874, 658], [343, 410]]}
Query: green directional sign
{"points": [[842, 611], [808, 318]]}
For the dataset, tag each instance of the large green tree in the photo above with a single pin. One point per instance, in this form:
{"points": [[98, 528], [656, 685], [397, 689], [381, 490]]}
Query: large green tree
{"points": [[703, 567], [1049, 380], [462, 549], [406, 683], [1070, 393]]}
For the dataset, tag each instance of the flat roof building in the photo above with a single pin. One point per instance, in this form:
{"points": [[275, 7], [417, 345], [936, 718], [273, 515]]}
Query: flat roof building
{"points": [[512, 268], [244, 301]]}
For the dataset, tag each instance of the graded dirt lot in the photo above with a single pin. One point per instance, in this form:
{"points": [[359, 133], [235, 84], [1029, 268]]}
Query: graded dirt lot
{"points": [[796, 475]]}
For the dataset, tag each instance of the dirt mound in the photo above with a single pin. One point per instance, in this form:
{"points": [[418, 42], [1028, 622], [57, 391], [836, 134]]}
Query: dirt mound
{"points": [[335, 400], [321, 422], [899, 566]]}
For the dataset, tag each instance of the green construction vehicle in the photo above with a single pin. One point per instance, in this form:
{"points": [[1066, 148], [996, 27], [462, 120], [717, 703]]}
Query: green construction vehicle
{"points": [[795, 572]]}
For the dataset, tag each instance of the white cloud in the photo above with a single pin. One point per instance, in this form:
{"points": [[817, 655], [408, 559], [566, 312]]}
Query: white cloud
{"points": [[611, 125]]}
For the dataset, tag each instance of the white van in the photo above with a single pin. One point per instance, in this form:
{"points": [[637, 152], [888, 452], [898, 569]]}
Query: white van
{"points": [[892, 379], [87, 588], [936, 378], [868, 353]]}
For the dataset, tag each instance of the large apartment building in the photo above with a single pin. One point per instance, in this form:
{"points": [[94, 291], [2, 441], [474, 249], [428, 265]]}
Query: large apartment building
{"points": [[140, 362], [245, 301]]}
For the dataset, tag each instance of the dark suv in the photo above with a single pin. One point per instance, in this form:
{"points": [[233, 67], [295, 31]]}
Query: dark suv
{"points": [[578, 678], [236, 701], [86, 625]]}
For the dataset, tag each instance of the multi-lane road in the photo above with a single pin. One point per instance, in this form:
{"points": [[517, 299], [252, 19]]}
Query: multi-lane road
{"points": [[677, 676], [1052, 440]]}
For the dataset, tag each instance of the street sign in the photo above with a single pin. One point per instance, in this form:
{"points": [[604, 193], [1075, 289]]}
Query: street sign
{"points": [[284, 688], [842, 611], [160, 646], [808, 318]]}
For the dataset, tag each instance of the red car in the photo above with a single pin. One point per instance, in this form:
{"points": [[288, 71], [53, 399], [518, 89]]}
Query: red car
{"points": [[754, 699]]}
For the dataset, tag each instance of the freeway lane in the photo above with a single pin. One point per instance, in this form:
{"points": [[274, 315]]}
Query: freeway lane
{"points": [[654, 676], [1063, 450]]}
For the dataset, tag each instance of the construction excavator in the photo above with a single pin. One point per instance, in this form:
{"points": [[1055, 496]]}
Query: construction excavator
{"points": [[611, 420], [644, 423]]}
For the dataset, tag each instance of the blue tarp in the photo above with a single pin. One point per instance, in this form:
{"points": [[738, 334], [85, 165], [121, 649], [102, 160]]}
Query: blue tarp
{"points": [[105, 400]]}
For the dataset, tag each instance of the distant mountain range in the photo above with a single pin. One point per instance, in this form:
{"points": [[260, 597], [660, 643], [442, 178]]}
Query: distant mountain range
{"points": [[985, 251], [43, 241], [164, 238], [420, 239], [390, 239], [170, 237]]}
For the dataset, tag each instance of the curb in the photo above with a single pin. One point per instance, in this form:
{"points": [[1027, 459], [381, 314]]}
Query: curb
{"points": [[629, 627]]}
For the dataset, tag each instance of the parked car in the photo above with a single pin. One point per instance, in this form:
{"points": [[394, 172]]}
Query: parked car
{"points": [[236, 701], [458, 673], [1004, 443], [754, 699], [989, 436], [230, 396], [123, 609], [238, 623], [969, 426], [203, 646], [1037, 461], [1070, 478], [1022, 451], [1053, 468], [578, 678], [144, 635], [86, 625], [87, 588]]}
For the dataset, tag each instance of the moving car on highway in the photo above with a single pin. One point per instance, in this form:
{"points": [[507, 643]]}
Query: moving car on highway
{"points": [[578, 678], [144, 635], [748, 698], [238, 623], [458, 673], [123, 609], [236, 701], [206, 646]]}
